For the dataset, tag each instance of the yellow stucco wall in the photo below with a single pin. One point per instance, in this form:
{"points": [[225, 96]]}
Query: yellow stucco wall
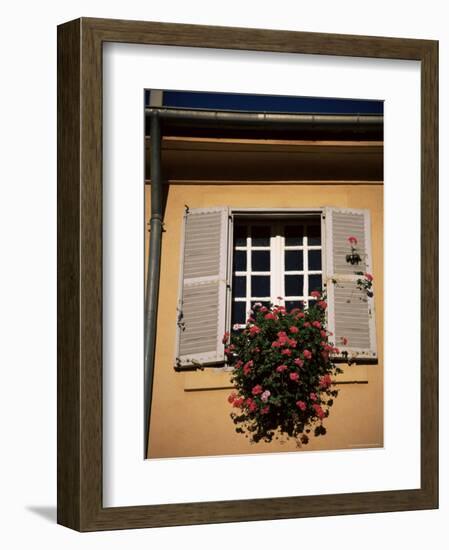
{"points": [[190, 411]]}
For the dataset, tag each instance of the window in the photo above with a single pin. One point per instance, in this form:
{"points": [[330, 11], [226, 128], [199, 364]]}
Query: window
{"points": [[275, 258], [231, 259]]}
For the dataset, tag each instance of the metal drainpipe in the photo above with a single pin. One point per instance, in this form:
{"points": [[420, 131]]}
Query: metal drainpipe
{"points": [[153, 272], [276, 120]]}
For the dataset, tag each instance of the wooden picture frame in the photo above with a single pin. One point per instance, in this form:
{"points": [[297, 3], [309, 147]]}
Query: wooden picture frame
{"points": [[80, 504]]}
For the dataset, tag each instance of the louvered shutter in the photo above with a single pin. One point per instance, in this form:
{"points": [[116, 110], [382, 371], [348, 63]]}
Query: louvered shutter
{"points": [[350, 311], [203, 287]]}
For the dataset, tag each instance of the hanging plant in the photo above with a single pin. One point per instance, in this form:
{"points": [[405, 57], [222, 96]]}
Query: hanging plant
{"points": [[283, 373], [354, 257], [365, 283]]}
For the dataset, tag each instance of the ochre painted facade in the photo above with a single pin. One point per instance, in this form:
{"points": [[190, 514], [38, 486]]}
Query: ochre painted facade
{"points": [[190, 411]]}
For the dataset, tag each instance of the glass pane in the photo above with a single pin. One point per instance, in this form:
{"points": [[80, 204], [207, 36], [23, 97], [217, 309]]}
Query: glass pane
{"points": [[294, 260], [240, 260], [260, 286], [240, 235], [294, 285], [314, 234], [238, 313], [294, 235], [314, 260], [315, 283], [239, 287], [294, 304], [260, 260], [260, 235]]}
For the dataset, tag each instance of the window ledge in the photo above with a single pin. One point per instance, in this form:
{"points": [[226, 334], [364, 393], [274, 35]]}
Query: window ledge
{"points": [[218, 378]]}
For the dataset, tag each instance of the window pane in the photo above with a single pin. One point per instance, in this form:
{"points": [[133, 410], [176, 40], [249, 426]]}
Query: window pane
{"points": [[294, 260], [240, 260], [260, 286], [315, 283], [239, 313], [260, 260], [239, 287], [294, 285], [314, 260], [314, 234], [240, 235], [294, 235], [294, 304], [260, 235]]}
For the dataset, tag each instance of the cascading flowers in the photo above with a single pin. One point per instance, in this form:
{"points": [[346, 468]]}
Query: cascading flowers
{"points": [[283, 373]]}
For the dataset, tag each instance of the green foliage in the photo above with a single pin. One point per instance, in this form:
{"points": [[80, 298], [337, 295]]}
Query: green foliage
{"points": [[282, 373]]}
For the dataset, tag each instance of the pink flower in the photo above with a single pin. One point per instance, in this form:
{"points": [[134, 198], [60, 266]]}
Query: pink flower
{"points": [[313, 396], [270, 316], [232, 397], [322, 304], [316, 324], [281, 368], [252, 405], [263, 309], [368, 276], [318, 411], [286, 352], [292, 343], [276, 345], [238, 364], [301, 405], [344, 340], [315, 294], [325, 381], [294, 330], [323, 334], [299, 362], [247, 367], [257, 390], [283, 338], [306, 324], [352, 240], [238, 402], [250, 320], [254, 330], [300, 315], [307, 354], [265, 409], [266, 394], [294, 376]]}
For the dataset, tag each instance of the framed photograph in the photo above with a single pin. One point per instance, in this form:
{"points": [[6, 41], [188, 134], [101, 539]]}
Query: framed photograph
{"points": [[247, 274]]}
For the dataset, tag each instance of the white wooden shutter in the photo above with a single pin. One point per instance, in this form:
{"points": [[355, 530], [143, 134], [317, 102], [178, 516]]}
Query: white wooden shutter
{"points": [[350, 311], [203, 287]]}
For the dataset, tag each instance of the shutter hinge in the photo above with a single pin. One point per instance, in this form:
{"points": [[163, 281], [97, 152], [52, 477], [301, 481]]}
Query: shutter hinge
{"points": [[187, 209]]}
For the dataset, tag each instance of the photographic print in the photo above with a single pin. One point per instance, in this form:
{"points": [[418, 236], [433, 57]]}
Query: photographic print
{"points": [[264, 274]]}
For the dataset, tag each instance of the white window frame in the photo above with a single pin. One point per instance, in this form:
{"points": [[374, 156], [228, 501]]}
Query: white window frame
{"points": [[277, 248]]}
